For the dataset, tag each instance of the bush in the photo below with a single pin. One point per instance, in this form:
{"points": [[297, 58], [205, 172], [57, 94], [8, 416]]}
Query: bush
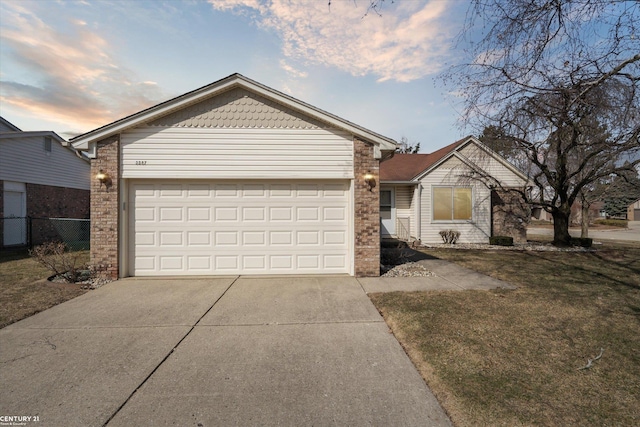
{"points": [[584, 242], [450, 237], [622, 223], [501, 240], [56, 257]]}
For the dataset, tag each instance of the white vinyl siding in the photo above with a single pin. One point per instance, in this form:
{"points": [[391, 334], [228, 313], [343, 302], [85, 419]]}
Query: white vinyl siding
{"points": [[207, 227], [24, 159], [477, 230], [404, 207], [174, 152]]}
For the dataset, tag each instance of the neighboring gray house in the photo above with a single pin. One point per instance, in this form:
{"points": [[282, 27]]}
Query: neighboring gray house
{"points": [[41, 176], [454, 188]]}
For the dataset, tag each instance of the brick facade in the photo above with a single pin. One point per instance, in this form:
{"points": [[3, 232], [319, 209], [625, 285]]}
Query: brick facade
{"points": [[366, 211], [510, 215], [105, 210], [45, 201], [105, 203]]}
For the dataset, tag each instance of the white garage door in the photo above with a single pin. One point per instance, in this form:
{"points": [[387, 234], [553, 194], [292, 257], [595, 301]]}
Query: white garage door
{"points": [[240, 227]]}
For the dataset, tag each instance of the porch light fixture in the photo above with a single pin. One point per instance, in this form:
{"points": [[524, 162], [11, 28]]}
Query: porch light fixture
{"points": [[104, 179], [370, 180]]}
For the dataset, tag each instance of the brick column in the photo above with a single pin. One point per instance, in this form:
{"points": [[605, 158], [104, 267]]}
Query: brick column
{"points": [[367, 211], [104, 207]]}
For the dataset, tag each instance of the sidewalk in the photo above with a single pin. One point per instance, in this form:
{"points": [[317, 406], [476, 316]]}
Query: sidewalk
{"points": [[632, 233]]}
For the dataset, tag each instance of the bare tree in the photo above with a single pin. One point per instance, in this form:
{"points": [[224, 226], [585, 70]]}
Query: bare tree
{"points": [[405, 147], [550, 74]]}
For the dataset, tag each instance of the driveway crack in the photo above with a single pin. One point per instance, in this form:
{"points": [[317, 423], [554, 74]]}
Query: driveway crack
{"points": [[168, 354]]}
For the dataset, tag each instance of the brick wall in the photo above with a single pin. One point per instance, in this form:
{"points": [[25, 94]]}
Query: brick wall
{"points": [[104, 208], [511, 215], [45, 201], [367, 211]]}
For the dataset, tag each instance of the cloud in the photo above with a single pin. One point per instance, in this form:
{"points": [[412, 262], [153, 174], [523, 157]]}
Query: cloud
{"points": [[407, 41], [291, 70], [67, 76]]}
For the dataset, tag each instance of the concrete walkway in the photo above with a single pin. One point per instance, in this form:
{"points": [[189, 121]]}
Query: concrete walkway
{"points": [[215, 351], [448, 277]]}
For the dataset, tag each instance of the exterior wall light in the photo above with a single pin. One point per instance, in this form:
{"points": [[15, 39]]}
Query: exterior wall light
{"points": [[370, 180], [104, 179]]}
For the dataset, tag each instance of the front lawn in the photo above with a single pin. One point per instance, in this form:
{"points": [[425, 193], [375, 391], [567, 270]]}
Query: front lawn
{"points": [[512, 357], [24, 289]]}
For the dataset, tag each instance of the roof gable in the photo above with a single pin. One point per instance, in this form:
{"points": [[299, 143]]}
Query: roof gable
{"points": [[233, 81], [7, 126], [238, 108], [404, 168]]}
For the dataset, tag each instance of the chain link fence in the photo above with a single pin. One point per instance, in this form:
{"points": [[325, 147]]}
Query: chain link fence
{"points": [[28, 231]]}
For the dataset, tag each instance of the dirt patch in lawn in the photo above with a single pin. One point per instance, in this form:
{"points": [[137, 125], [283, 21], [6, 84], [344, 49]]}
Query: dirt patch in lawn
{"points": [[24, 289], [514, 357]]}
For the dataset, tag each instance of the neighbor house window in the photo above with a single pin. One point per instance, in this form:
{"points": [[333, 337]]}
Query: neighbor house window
{"points": [[452, 203], [47, 144]]}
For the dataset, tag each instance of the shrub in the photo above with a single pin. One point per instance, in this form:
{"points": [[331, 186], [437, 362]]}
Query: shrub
{"points": [[622, 223], [501, 240], [584, 242], [450, 236], [56, 257]]}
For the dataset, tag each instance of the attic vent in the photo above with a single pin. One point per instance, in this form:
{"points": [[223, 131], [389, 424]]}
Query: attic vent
{"points": [[47, 144]]}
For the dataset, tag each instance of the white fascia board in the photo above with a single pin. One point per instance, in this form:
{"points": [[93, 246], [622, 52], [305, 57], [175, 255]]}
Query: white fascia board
{"points": [[382, 143], [82, 142]]}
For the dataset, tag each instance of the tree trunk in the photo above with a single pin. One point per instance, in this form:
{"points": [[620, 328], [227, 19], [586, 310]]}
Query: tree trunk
{"points": [[584, 221], [561, 236]]}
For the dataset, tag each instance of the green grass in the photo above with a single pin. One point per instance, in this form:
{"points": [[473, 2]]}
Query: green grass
{"points": [[24, 289], [512, 357]]}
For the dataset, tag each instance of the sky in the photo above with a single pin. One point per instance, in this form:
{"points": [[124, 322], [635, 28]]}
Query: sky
{"points": [[73, 66]]}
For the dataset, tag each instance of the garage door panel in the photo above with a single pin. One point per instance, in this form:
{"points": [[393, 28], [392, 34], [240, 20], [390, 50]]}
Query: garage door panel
{"points": [[198, 214], [199, 227], [199, 238]]}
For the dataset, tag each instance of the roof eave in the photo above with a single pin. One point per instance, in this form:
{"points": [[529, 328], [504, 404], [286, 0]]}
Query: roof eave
{"points": [[386, 182]]}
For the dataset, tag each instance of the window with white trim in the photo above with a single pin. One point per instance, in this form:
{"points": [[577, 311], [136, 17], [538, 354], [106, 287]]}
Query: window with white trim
{"points": [[452, 204]]}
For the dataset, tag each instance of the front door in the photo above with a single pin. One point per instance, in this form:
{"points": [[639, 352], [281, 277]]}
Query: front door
{"points": [[387, 212]]}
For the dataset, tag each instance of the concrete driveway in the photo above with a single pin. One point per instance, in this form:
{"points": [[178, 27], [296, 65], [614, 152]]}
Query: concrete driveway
{"points": [[214, 351]]}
